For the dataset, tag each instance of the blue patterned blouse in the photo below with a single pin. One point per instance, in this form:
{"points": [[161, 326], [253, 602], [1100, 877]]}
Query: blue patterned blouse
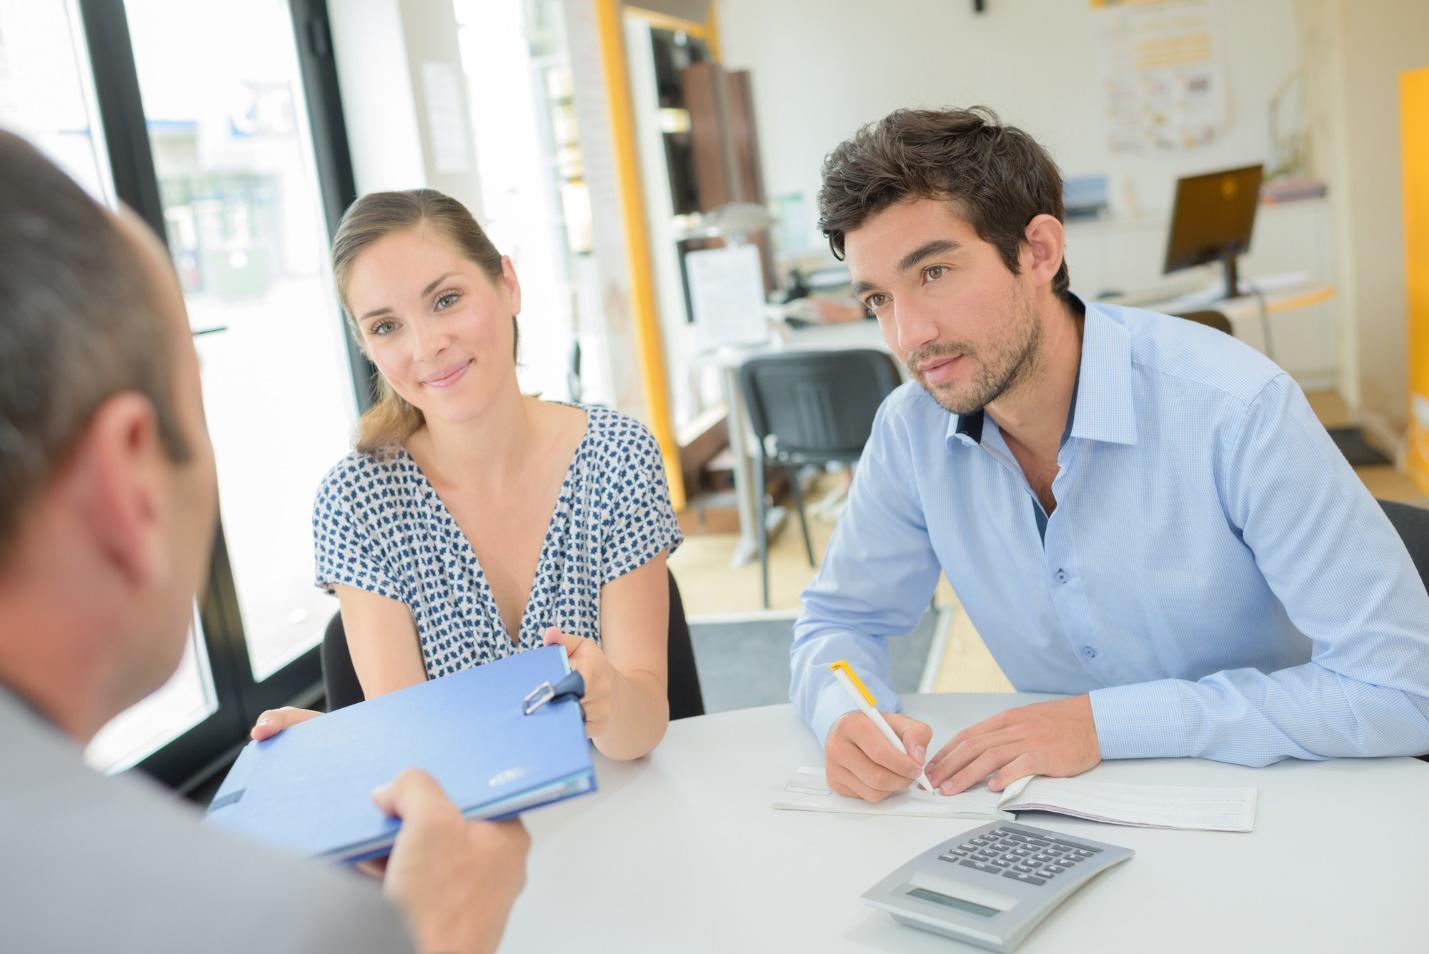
{"points": [[379, 526]]}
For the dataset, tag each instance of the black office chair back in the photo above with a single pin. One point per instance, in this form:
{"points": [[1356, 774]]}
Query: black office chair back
{"points": [[343, 689], [339, 678], [817, 405], [1412, 523], [684, 679], [1214, 319]]}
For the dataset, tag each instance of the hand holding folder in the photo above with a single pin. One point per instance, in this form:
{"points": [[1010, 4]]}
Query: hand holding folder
{"points": [[590, 662], [308, 789], [455, 880]]}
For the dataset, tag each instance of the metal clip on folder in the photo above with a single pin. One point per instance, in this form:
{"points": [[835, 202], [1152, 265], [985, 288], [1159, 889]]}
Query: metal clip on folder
{"points": [[572, 686]]}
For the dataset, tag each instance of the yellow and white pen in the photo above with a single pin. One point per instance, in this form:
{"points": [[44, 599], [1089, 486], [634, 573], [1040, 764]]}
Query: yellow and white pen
{"points": [[847, 678]]}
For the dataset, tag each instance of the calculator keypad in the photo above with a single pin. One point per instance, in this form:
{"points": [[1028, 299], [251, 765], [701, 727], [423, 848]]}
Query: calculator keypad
{"points": [[1018, 855]]}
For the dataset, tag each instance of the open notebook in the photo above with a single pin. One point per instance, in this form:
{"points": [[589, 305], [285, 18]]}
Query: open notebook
{"points": [[1144, 806]]}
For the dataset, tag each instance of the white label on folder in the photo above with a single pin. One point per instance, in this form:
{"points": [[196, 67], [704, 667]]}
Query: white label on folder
{"points": [[510, 775]]}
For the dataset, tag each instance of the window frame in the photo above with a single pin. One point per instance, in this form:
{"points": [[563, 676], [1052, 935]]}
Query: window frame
{"points": [[197, 754]]}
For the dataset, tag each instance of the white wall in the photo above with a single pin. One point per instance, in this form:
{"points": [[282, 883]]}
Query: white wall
{"points": [[381, 48], [821, 68], [1360, 47]]}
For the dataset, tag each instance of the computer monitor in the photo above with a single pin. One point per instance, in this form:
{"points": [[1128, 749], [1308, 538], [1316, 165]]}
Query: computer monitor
{"points": [[1212, 219]]}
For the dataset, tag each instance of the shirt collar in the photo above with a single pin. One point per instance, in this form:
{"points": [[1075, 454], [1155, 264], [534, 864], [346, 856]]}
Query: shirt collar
{"points": [[1105, 410], [1102, 403]]}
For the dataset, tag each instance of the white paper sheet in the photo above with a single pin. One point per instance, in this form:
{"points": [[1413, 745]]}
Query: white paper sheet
{"points": [[727, 295], [807, 791], [1142, 806]]}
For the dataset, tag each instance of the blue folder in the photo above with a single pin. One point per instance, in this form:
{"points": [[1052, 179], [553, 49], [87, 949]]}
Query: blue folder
{"points": [[308, 789]]}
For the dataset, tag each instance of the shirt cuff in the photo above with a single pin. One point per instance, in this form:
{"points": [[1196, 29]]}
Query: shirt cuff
{"points": [[834, 703], [1140, 721]]}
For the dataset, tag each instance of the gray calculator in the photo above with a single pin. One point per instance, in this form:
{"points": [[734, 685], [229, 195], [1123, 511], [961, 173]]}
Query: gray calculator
{"points": [[992, 885]]}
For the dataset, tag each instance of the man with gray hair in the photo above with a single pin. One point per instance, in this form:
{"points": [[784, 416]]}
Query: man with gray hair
{"points": [[107, 511]]}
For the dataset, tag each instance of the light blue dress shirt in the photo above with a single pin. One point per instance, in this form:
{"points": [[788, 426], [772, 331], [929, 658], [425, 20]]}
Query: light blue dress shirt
{"points": [[1214, 573]]}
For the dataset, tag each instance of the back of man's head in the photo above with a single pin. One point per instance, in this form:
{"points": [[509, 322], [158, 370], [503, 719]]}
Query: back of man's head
{"points": [[78, 323], [998, 176]]}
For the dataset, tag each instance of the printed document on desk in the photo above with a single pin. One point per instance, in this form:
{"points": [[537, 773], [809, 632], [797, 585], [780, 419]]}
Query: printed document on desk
{"points": [[309, 788], [1142, 806]]}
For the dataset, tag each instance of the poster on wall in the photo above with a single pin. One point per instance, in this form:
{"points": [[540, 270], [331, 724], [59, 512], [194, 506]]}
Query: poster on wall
{"points": [[1162, 71]]}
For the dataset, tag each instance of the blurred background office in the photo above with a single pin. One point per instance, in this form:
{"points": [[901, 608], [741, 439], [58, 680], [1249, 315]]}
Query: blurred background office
{"points": [[652, 171]]}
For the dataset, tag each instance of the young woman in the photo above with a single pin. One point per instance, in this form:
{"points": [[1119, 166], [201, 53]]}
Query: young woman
{"points": [[473, 521]]}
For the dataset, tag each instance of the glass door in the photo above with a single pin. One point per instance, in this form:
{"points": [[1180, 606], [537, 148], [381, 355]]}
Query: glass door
{"points": [[221, 126], [238, 183]]}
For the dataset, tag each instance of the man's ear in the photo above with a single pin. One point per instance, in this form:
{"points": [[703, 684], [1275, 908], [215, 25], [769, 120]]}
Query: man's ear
{"points": [[1046, 244], [117, 475]]}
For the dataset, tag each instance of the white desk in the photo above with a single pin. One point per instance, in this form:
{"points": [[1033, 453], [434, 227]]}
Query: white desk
{"points": [[680, 852]]}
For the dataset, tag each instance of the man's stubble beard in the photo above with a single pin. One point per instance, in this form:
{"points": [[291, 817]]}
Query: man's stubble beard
{"points": [[1016, 363]]}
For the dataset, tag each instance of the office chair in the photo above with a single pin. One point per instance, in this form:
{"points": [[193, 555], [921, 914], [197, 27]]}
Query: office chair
{"points": [[1412, 524], [1214, 319], [343, 689], [810, 407]]}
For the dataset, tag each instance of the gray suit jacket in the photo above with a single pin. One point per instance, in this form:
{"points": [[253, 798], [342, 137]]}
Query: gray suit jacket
{"points": [[89, 863]]}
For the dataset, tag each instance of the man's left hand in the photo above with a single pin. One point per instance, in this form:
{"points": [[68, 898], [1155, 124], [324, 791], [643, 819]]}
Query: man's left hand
{"points": [[1056, 738]]}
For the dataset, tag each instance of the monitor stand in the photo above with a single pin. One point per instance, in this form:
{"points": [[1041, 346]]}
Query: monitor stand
{"points": [[1228, 263]]}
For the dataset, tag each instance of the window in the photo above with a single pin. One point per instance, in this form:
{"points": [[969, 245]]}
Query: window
{"points": [[235, 152]]}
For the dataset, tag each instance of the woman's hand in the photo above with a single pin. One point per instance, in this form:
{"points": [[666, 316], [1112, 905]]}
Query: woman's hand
{"points": [[588, 659], [273, 721]]}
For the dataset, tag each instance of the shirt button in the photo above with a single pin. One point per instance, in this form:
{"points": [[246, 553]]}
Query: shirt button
{"points": [[1061, 576], [1089, 651]]}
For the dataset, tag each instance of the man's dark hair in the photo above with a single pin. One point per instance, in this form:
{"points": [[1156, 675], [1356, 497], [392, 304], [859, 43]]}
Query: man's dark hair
{"points": [[998, 176], [78, 323]]}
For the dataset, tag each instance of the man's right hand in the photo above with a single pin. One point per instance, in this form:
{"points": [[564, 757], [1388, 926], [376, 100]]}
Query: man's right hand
{"points": [[860, 762], [454, 880]]}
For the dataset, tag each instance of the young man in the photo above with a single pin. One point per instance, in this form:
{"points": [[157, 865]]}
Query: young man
{"points": [[107, 510], [1139, 512]]}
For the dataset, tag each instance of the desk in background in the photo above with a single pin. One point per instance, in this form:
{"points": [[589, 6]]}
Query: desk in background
{"points": [[1127, 254], [680, 852]]}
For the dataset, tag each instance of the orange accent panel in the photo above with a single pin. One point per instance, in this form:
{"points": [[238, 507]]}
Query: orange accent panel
{"points": [[649, 345], [1414, 136]]}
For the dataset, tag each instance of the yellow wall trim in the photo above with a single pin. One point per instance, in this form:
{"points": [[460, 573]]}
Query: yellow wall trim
{"points": [[664, 21], [1414, 136], [649, 345]]}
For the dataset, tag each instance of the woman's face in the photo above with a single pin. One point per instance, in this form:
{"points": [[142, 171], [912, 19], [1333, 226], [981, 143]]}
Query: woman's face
{"points": [[436, 326]]}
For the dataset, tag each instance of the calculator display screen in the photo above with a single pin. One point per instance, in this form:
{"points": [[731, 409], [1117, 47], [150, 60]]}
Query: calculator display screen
{"points": [[947, 901]]}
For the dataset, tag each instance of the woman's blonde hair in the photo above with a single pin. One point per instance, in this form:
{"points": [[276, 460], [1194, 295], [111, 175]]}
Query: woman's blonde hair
{"points": [[391, 420]]}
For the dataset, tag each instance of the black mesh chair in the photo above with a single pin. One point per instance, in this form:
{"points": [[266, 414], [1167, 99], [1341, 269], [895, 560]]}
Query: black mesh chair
{"points": [[339, 678], [1213, 319], [810, 407], [1412, 523], [343, 689]]}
